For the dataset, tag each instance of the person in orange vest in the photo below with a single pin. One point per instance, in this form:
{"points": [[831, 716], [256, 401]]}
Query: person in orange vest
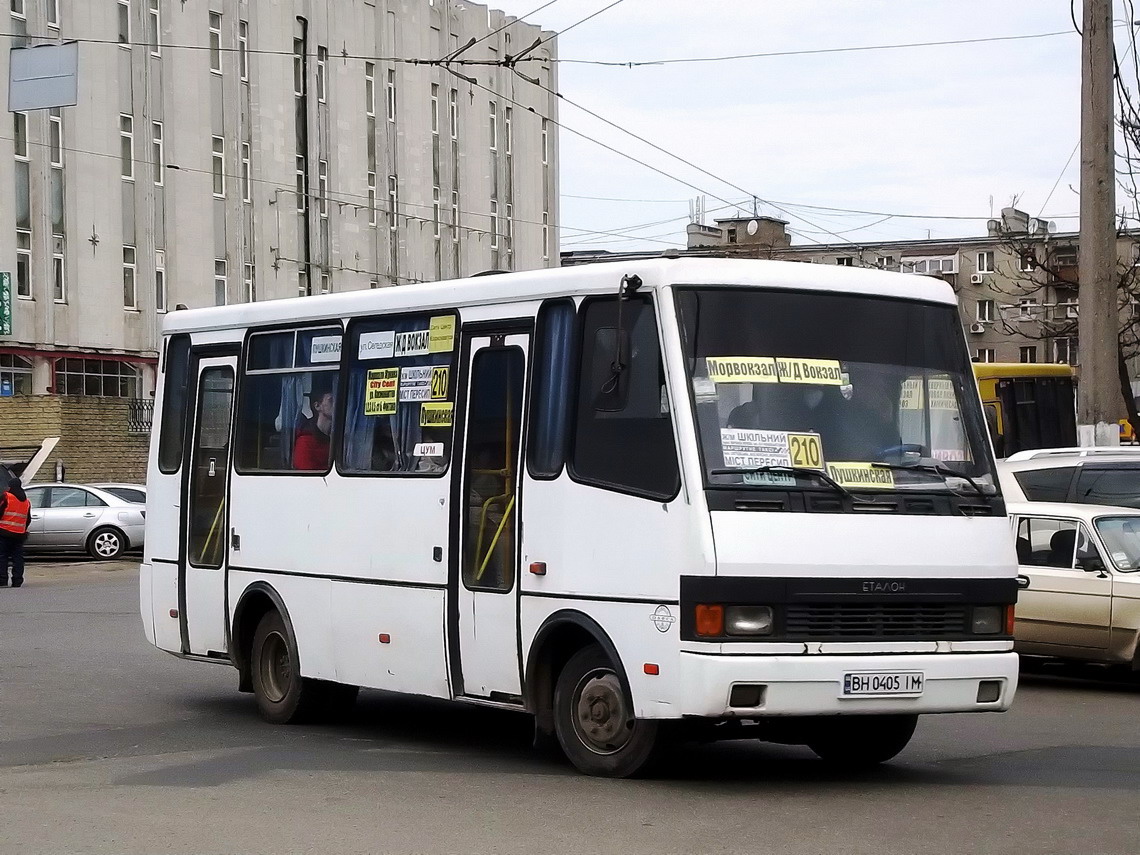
{"points": [[15, 511]]}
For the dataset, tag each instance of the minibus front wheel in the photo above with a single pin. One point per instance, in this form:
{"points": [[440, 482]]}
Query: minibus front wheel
{"points": [[593, 718]]}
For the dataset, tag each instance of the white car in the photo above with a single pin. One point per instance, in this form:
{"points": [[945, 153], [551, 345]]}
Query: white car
{"points": [[1079, 567], [1098, 476], [74, 516]]}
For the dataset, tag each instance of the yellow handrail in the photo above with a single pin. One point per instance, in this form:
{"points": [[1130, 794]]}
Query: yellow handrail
{"points": [[495, 539]]}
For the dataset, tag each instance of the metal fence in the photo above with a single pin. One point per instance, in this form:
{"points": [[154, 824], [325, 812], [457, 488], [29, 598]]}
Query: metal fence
{"points": [[140, 415]]}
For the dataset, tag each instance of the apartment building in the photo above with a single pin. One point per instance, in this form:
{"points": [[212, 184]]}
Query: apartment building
{"points": [[226, 151]]}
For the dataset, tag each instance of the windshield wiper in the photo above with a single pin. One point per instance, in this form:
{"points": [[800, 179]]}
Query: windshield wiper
{"points": [[934, 469], [795, 472]]}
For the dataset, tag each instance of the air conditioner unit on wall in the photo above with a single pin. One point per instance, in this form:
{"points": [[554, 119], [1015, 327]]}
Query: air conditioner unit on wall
{"points": [[978, 327], [975, 279]]}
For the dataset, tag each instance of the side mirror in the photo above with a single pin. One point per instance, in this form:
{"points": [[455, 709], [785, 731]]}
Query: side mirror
{"points": [[1093, 564]]}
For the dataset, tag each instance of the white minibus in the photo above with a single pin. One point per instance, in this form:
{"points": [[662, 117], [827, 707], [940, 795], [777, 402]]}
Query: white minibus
{"points": [[646, 499]]}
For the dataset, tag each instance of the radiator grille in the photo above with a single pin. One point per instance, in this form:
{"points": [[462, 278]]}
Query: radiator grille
{"points": [[878, 620]]}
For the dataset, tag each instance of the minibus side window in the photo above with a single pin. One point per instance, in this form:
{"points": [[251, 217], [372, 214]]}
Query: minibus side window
{"points": [[624, 441], [286, 417], [399, 397], [555, 352], [173, 424]]}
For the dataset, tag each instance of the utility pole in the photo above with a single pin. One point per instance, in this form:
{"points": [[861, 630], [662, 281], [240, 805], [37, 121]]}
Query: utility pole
{"points": [[1098, 394]]}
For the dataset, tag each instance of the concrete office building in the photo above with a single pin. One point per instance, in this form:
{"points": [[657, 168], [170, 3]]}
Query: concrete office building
{"points": [[233, 150]]}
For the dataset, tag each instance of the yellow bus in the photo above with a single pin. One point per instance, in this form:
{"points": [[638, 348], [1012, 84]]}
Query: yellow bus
{"points": [[1028, 405]]}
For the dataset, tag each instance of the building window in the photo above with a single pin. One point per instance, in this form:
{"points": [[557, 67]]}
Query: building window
{"points": [[323, 187], [494, 224], [455, 218], [393, 201], [52, 13], [1029, 353], [18, 9], [509, 230], [215, 43], [326, 283], [369, 89], [125, 23], [985, 354], [435, 211], [435, 108], [986, 261], [1027, 263], [24, 264], [545, 236], [106, 378], [371, 198], [1027, 307], [20, 134], [59, 281], [545, 143], [507, 134], [130, 268], [302, 185], [322, 66], [985, 311], [15, 375], [220, 283], [249, 288], [1065, 350], [157, 150], [160, 280], [55, 123], [246, 174], [391, 95], [127, 146], [219, 160], [299, 68], [243, 49], [154, 21], [494, 125], [845, 261], [453, 112]]}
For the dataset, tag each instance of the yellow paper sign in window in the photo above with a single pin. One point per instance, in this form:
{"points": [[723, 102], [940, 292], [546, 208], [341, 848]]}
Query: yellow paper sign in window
{"points": [[435, 414], [741, 369], [381, 386], [441, 335], [439, 375], [865, 476], [806, 450], [824, 372]]}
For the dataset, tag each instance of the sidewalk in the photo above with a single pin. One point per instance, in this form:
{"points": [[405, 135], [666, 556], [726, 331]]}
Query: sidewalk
{"points": [[53, 568]]}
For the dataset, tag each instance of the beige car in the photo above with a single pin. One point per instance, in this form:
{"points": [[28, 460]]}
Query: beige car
{"points": [[1079, 569]]}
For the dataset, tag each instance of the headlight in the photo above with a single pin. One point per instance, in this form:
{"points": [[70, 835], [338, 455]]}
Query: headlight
{"points": [[748, 620], [987, 620]]}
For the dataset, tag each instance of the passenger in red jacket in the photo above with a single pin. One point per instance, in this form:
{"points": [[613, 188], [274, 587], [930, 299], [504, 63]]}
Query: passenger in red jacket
{"points": [[313, 441]]}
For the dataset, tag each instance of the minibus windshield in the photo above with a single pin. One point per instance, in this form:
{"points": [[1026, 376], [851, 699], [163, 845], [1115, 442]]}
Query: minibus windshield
{"points": [[877, 393]]}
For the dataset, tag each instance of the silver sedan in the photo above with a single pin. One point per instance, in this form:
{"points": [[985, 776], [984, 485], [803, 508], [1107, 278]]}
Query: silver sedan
{"points": [[73, 516]]}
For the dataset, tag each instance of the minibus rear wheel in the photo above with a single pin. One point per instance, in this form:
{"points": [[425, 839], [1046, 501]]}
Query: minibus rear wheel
{"points": [[593, 718], [283, 695], [861, 740]]}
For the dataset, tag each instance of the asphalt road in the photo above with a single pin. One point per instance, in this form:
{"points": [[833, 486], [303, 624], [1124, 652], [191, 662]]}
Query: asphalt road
{"points": [[110, 746]]}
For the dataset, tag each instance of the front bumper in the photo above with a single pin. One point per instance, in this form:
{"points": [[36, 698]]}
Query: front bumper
{"points": [[812, 684]]}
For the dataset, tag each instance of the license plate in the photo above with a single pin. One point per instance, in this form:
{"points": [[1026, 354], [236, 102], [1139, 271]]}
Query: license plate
{"points": [[877, 684]]}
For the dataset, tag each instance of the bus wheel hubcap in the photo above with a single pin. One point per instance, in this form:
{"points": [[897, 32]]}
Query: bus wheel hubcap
{"points": [[600, 717], [276, 670]]}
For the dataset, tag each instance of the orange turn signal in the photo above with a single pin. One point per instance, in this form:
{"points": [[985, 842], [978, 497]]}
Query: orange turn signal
{"points": [[710, 620]]}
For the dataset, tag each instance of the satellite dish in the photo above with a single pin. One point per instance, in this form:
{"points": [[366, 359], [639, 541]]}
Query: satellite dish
{"points": [[752, 227]]}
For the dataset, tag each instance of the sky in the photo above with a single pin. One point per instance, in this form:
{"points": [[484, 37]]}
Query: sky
{"points": [[939, 131]]}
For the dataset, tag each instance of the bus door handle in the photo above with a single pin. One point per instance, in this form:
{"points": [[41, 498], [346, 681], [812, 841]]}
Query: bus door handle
{"points": [[1022, 581], [235, 540]]}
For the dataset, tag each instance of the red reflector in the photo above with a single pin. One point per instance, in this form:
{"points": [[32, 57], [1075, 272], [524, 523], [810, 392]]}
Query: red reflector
{"points": [[174, 613], [385, 638], [1009, 619], [651, 669], [538, 568], [710, 620]]}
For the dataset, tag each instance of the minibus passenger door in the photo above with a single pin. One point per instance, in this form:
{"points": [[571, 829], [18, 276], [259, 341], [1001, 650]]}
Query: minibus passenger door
{"points": [[484, 586], [204, 544]]}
